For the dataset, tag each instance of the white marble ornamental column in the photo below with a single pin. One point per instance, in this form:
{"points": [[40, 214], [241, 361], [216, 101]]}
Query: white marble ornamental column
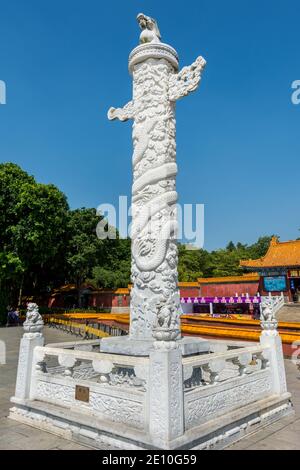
{"points": [[157, 85]]}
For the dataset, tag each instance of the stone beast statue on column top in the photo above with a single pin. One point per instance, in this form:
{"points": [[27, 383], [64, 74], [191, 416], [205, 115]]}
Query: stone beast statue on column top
{"points": [[150, 31]]}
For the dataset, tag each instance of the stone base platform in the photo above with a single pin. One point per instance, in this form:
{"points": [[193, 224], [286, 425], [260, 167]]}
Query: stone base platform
{"points": [[88, 430], [134, 347]]}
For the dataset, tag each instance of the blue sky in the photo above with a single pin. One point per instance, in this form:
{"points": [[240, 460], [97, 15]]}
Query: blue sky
{"points": [[65, 63]]}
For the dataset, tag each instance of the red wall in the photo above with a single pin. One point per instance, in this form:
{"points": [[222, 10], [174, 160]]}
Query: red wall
{"points": [[189, 292], [106, 299], [229, 289]]}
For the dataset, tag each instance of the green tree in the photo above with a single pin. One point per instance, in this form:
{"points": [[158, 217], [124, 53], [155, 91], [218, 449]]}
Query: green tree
{"points": [[40, 233], [11, 268], [83, 247], [224, 263], [112, 279], [230, 246], [114, 264], [33, 226], [191, 264], [260, 248], [12, 180]]}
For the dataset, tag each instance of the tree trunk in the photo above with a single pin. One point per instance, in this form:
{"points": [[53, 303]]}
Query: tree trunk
{"points": [[78, 294], [21, 291]]}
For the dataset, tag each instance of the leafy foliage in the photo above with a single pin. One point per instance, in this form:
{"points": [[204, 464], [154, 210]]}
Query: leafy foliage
{"points": [[114, 266], [33, 228], [83, 245], [218, 263]]}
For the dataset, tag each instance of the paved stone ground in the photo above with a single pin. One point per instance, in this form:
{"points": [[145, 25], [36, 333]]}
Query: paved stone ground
{"points": [[12, 434], [289, 313], [284, 434]]}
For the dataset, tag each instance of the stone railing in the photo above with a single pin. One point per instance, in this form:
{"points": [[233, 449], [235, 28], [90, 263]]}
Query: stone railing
{"points": [[105, 368], [218, 383], [211, 369], [212, 383], [92, 345], [113, 386], [275, 302], [164, 395]]}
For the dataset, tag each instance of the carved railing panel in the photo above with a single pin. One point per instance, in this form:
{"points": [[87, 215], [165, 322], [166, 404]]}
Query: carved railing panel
{"points": [[218, 383], [111, 370], [210, 369], [115, 385], [274, 302]]}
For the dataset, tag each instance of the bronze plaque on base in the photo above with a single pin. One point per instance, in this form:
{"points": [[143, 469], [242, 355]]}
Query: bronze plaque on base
{"points": [[82, 393]]}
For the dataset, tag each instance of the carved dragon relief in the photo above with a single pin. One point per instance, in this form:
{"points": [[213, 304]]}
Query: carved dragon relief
{"points": [[156, 87]]}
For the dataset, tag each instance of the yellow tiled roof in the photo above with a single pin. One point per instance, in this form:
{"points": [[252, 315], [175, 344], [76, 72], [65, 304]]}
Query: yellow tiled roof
{"points": [[279, 254], [252, 277], [188, 284], [122, 290]]}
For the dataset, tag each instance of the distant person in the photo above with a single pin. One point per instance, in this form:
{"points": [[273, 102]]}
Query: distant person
{"points": [[17, 316], [11, 316], [256, 313]]}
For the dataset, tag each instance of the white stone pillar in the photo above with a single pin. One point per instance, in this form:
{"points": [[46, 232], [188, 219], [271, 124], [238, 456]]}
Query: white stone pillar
{"points": [[166, 419], [270, 338], [32, 337], [157, 85]]}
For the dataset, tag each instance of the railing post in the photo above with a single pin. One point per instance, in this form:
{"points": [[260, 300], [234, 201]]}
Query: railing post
{"points": [[32, 337], [165, 394], [271, 339]]}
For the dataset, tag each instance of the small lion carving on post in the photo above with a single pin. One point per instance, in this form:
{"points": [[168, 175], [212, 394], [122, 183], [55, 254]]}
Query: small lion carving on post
{"points": [[267, 314], [268, 321], [34, 322]]}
